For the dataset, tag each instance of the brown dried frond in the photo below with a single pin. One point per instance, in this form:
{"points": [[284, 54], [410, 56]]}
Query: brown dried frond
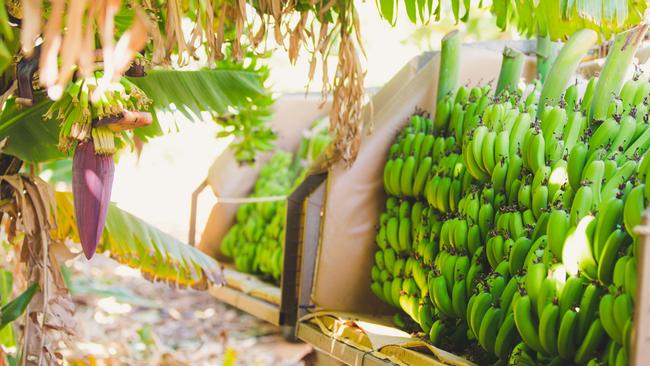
{"points": [[49, 317], [174, 32], [346, 113]]}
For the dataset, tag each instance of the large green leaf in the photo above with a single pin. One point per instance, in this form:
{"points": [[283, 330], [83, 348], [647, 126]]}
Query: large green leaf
{"points": [[17, 306], [30, 138], [132, 241], [193, 92]]}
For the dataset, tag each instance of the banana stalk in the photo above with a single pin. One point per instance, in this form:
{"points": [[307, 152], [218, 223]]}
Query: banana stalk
{"points": [[612, 76], [565, 65], [511, 67], [546, 54], [449, 64]]}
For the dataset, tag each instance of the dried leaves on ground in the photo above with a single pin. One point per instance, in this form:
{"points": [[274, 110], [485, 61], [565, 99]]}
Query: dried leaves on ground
{"points": [[125, 320]]}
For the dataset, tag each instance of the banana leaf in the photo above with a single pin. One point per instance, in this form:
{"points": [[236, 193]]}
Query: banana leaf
{"points": [[12, 310], [134, 242], [193, 92], [30, 138]]}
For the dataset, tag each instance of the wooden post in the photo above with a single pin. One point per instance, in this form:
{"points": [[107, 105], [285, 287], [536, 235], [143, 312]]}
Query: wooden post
{"points": [[640, 352], [195, 197]]}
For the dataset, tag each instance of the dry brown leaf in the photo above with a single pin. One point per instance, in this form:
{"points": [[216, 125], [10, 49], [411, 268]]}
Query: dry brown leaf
{"points": [[31, 25], [87, 49], [70, 47], [49, 68]]}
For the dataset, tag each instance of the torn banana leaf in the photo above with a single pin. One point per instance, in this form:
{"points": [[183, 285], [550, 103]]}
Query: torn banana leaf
{"points": [[132, 241]]}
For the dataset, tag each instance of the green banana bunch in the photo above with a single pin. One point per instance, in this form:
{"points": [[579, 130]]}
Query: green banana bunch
{"points": [[256, 240], [509, 224]]}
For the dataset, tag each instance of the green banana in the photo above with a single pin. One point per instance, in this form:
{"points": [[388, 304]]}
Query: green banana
{"points": [[593, 175], [574, 130], [407, 144], [618, 277], [439, 293], [548, 328], [396, 290], [436, 331], [536, 152], [576, 164], [527, 323], [540, 201], [395, 176], [488, 152], [630, 277], [506, 337], [593, 339], [624, 136], [622, 175], [524, 196], [535, 275], [417, 144], [421, 176], [609, 215], [623, 308], [609, 254], [404, 235], [633, 209], [482, 303], [459, 299], [518, 254], [588, 309], [566, 336], [557, 229], [427, 147], [571, 293], [407, 176], [489, 328], [582, 204], [516, 138], [603, 135], [508, 294]]}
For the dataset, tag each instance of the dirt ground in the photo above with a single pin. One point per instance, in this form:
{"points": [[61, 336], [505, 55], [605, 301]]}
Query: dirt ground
{"points": [[125, 320]]}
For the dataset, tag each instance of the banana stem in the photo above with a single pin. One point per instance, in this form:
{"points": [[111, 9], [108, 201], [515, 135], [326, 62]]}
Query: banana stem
{"points": [[449, 73], [511, 67], [546, 54], [616, 65], [565, 65]]}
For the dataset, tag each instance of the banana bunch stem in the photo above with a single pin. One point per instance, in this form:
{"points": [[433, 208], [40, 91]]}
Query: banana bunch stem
{"points": [[449, 64], [612, 76], [511, 67], [565, 66]]}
